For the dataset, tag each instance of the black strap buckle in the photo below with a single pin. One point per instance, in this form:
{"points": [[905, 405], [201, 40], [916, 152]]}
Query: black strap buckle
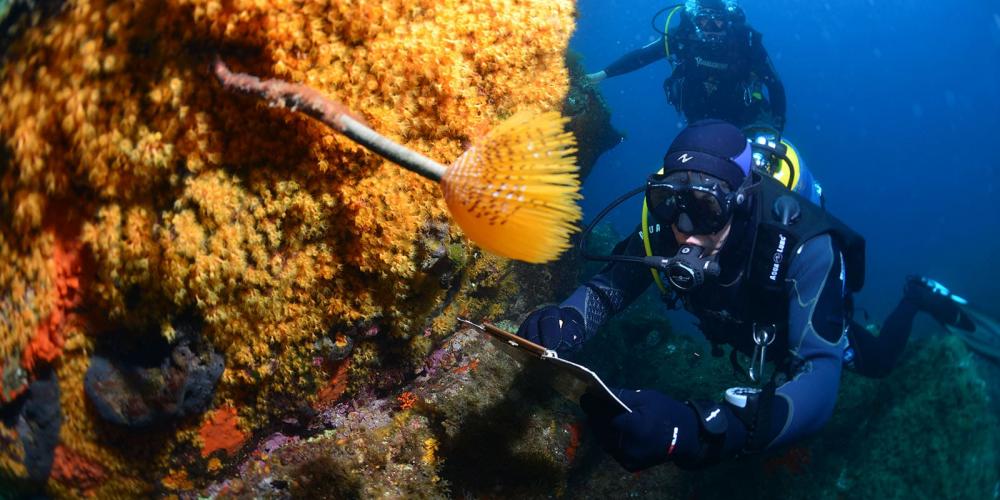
{"points": [[713, 423]]}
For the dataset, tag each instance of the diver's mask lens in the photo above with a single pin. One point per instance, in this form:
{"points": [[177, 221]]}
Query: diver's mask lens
{"points": [[694, 208], [711, 26]]}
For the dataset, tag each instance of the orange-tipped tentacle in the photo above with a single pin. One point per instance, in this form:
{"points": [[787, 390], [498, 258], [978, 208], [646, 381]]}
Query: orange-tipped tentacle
{"points": [[515, 192]]}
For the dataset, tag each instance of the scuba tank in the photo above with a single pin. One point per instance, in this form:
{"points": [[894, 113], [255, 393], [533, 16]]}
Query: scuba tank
{"points": [[776, 157]]}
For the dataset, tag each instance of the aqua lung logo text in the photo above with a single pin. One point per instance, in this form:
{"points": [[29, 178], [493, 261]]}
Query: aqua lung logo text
{"points": [[653, 228], [778, 256]]}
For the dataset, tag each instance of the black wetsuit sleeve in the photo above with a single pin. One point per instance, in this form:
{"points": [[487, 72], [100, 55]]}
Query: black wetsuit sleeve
{"points": [[613, 288], [764, 68], [637, 59]]}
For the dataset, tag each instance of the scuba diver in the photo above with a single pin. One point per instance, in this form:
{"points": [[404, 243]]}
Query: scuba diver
{"points": [[765, 271], [720, 67]]}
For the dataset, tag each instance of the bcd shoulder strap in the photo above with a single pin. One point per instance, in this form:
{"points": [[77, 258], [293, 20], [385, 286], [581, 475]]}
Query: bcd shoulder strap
{"points": [[785, 221]]}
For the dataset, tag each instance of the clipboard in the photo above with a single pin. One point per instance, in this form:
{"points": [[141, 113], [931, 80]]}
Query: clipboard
{"points": [[570, 379]]}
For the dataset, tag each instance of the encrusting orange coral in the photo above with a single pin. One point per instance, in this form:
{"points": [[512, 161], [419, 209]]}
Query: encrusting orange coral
{"points": [[407, 400], [47, 343], [220, 431], [275, 230], [71, 468]]}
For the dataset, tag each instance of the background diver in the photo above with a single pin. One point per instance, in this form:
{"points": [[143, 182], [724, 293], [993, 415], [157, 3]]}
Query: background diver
{"points": [[720, 67], [765, 271]]}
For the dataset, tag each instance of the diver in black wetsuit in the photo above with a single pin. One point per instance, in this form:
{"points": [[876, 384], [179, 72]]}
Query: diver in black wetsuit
{"points": [[720, 67], [765, 271]]}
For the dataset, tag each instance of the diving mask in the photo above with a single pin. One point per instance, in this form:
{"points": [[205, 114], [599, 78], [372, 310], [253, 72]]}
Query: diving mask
{"points": [[711, 22], [690, 267], [695, 209], [712, 26]]}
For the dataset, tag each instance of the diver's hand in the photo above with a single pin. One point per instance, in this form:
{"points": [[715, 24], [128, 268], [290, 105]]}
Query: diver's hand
{"points": [[659, 428], [595, 78], [555, 328]]}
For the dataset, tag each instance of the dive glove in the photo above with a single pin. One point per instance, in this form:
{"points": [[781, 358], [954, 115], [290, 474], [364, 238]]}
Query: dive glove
{"points": [[560, 329], [659, 428]]}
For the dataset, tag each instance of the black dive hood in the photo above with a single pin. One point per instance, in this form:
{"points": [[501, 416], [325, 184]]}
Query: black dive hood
{"points": [[685, 271]]}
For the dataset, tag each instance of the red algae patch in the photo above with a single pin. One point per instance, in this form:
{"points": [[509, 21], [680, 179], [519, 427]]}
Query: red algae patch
{"points": [[46, 345], [74, 469], [221, 432], [335, 387]]}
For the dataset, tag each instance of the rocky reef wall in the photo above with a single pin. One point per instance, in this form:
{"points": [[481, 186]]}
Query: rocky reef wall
{"points": [[183, 270]]}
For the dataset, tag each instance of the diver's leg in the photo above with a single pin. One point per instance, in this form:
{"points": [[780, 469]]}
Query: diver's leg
{"points": [[877, 356], [935, 299]]}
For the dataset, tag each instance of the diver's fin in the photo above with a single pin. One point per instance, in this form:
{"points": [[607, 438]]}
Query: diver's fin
{"points": [[935, 299]]}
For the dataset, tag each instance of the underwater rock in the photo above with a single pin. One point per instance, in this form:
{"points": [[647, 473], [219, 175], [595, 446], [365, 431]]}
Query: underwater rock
{"points": [[504, 433], [154, 383], [590, 118], [37, 417], [39, 427], [653, 338], [472, 422], [369, 453], [336, 348], [438, 256]]}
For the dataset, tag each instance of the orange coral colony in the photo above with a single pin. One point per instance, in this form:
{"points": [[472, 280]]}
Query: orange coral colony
{"points": [[273, 229], [221, 431]]}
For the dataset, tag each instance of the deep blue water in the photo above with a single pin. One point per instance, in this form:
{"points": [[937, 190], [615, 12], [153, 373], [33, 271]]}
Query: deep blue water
{"points": [[894, 104]]}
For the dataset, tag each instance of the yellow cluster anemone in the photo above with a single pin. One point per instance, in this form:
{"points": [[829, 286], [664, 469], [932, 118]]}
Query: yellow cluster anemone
{"points": [[271, 228]]}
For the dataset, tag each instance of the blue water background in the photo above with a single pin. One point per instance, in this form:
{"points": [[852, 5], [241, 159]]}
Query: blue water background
{"points": [[895, 106]]}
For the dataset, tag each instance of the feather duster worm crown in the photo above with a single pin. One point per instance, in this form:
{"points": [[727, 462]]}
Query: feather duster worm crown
{"points": [[515, 191]]}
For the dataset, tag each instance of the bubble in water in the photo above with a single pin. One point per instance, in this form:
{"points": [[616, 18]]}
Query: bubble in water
{"points": [[949, 98]]}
